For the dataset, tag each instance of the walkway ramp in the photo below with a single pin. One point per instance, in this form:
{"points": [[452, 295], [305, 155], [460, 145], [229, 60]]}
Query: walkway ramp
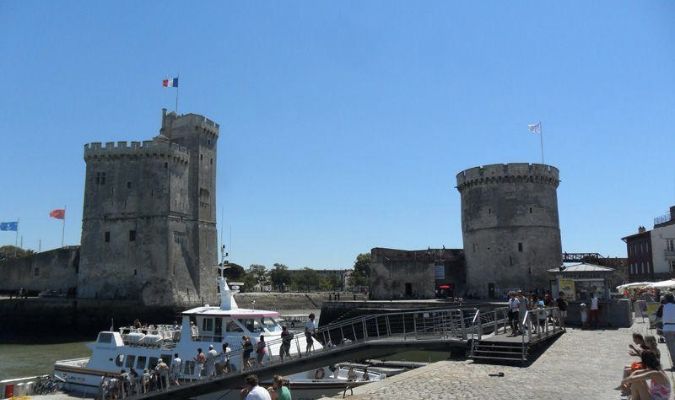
{"points": [[500, 345]]}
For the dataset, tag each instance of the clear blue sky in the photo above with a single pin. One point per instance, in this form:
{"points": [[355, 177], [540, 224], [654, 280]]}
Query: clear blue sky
{"points": [[343, 124]]}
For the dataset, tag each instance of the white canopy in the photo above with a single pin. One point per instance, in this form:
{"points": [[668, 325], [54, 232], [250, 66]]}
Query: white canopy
{"points": [[663, 284], [633, 285]]}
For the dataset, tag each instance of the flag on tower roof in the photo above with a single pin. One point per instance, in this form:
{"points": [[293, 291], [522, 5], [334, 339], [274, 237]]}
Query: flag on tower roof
{"points": [[172, 82], [534, 128]]}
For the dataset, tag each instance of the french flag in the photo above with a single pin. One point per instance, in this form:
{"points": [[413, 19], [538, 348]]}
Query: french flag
{"points": [[170, 82]]}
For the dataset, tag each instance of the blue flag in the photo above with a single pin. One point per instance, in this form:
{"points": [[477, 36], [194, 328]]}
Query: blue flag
{"points": [[9, 226]]}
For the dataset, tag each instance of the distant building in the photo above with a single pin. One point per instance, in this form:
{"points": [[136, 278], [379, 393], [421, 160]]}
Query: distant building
{"points": [[416, 274], [651, 253]]}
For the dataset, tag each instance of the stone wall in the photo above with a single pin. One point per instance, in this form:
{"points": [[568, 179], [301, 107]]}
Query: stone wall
{"points": [[54, 270], [510, 226]]}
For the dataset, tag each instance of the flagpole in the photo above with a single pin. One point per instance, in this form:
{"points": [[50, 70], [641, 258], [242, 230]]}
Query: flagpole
{"points": [[541, 138], [63, 228], [16, 239]]}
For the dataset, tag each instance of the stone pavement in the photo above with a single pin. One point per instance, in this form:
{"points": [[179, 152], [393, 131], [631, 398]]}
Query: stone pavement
{"points": [[581, 364]]}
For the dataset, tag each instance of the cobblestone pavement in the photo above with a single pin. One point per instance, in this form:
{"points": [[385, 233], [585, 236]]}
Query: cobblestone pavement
{"points": [[581, 364]]}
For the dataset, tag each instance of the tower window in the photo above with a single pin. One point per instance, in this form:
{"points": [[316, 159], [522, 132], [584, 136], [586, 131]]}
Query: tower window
{"points": [[37, 271], [166, 165], [520, 247], [100, 178], [211, 161], [530, 210], [132, 236], [135, 272], [128, 184], [106, 237], [489, 211]]}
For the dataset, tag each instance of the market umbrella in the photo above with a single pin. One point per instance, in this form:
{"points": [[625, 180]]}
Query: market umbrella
{"points": [[663, 284], [633, 285]]}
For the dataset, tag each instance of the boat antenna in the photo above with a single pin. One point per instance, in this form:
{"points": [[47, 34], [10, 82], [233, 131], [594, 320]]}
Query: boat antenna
{"points": [[112, 325]]}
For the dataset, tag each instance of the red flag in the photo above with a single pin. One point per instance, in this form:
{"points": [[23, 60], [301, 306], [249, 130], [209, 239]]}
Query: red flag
{"points": [[58, 213]]}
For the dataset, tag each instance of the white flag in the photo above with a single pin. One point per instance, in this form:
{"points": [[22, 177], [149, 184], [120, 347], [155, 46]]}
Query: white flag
{"points": [[534, 128]]}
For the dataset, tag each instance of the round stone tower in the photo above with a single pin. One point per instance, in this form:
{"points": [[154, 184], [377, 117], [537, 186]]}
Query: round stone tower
{"points": [[510, 226]]}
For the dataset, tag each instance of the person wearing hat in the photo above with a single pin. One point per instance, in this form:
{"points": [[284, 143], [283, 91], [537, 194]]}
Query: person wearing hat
{"points": [[211, 356], [163, 372]]}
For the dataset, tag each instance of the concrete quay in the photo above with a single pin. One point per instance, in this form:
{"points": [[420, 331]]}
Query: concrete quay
{"points": [[581, 364]]}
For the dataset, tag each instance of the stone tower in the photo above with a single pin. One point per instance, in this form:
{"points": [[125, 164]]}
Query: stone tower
{"points": [[510, 226], [149, 219]]}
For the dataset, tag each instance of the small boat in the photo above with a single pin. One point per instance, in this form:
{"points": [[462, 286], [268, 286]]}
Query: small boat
{"points": [[141, 348]]}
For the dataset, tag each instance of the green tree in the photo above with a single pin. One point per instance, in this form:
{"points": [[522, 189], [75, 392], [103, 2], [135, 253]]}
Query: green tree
{"points": [[234, 272], [255, 274], [306, 279], [361, 275], [280, 276]]}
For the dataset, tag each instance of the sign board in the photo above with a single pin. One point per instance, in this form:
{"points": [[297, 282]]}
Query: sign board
{"points": [[439, 272], [567, 286]]}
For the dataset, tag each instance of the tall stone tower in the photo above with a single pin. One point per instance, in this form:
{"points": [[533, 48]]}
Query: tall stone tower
{"points": [[510, 226], [149, 223]]}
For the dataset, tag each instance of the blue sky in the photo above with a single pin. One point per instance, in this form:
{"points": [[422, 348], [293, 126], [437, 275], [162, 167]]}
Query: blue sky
{"points": [[343, 124]]}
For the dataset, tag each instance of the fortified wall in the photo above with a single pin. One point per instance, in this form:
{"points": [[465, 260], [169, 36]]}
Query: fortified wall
{"points": [[49, 270], [510, 226]]}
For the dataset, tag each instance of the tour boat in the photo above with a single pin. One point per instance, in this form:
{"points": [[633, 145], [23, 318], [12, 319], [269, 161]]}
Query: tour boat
{"points": [[141, 348]]}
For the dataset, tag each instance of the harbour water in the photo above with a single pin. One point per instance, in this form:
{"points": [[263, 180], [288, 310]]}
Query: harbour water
{"points": [[19, 360]]}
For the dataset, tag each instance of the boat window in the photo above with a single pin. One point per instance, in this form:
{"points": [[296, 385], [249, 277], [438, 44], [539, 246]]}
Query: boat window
{"points": [[251, 325], [207, 324], [269, 323], [130, 361], [167, 358], [153, 363], [232, 326], [105, 337], [140, 364], [119, 360]]}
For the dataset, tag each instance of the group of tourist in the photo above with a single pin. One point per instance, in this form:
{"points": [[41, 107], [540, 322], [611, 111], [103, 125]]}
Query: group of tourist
{"points": [[253, 391], [125, 384], [645, 379], [541, 310]]}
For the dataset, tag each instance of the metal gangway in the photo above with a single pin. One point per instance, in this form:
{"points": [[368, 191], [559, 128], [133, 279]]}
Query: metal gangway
{"points": [[362, 336], [493, 342]]}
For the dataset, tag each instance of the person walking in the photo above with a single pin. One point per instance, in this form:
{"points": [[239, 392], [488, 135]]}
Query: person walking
{"points": [[174, 369], [211, 356], [163, 374], [260, 350], [514, 310], [667, 312], [562, 309], [594, 314], [247, 347], [200, 361], [285, 348], [310, 330], [225, 359]]}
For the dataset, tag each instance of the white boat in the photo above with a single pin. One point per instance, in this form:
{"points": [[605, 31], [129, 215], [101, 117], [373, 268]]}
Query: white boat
{"points": [[141, 348]]}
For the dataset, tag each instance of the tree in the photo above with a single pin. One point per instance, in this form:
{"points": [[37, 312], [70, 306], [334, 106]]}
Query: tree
{"points": [[255, 274], [361, 275], [235, 272], [306, 279], [280, 276]]}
